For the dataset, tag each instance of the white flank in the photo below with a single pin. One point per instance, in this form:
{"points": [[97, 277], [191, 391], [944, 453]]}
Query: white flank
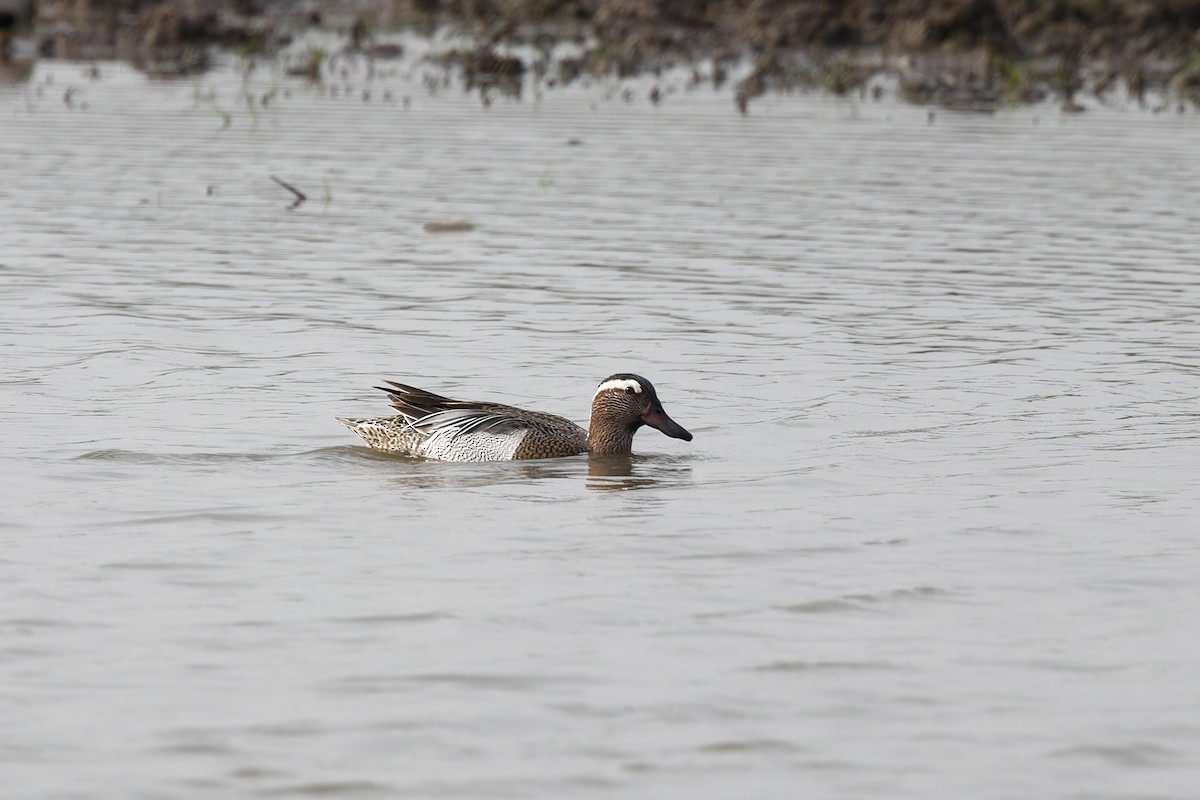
{"points": [[619, 383], [474, 446]]}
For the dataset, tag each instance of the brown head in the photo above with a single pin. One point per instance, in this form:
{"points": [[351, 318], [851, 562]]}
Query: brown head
{"points": [[623, 403]]}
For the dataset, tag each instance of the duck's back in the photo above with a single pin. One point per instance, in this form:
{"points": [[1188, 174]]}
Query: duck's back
{"points": [[501, 433], [483, 432]]}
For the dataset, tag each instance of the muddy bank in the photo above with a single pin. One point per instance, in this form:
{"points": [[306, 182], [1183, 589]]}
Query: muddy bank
{"points": [[978, 54]]}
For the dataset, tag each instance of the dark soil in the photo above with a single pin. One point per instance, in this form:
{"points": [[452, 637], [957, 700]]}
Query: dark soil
{"points": [[967, 53]]}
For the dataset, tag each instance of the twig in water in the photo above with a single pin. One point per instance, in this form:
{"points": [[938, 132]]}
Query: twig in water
{"points": [[300, 196]]}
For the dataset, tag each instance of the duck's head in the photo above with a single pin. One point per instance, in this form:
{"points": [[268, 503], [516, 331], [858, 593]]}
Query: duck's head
{"points": [[623, 403]]}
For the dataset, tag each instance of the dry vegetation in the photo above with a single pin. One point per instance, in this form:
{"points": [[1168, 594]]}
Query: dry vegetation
{"points": [[971, 53]]}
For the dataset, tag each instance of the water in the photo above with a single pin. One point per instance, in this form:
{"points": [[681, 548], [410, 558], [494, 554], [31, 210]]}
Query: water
{"points": [[935, 537]]}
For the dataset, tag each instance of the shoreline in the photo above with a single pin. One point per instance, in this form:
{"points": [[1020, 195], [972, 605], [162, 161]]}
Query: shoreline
{"points": [[976, 55]]}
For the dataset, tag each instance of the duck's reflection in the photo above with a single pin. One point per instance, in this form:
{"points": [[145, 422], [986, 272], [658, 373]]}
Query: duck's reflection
{"points": [[429, 474], [613, 473], [620, 473]]}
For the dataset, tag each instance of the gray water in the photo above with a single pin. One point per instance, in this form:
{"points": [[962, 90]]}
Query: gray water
{"points": [[936, 536]]}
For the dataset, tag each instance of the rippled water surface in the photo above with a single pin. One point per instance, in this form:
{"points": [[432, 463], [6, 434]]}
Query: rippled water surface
{"points": [[936, 536]]}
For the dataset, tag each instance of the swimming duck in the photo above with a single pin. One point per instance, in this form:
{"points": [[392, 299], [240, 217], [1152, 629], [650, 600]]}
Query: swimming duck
{"points": [[432, 426]]}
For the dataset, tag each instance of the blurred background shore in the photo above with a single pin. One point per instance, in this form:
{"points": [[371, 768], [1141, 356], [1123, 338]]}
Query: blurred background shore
{"points": [[957, 53]]}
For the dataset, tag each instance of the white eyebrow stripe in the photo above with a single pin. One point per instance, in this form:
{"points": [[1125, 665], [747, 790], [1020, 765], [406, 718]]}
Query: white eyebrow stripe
{"points": [[619, 383]]}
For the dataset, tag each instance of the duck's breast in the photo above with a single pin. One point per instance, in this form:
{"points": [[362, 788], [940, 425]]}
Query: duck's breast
{"points": [[551, 436]]}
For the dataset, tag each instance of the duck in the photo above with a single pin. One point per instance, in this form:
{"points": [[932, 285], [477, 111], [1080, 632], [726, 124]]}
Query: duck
{"points": [[436, 427]]}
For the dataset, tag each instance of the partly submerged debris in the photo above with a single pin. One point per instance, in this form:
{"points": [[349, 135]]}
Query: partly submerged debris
{"points": [[448, 226]]}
